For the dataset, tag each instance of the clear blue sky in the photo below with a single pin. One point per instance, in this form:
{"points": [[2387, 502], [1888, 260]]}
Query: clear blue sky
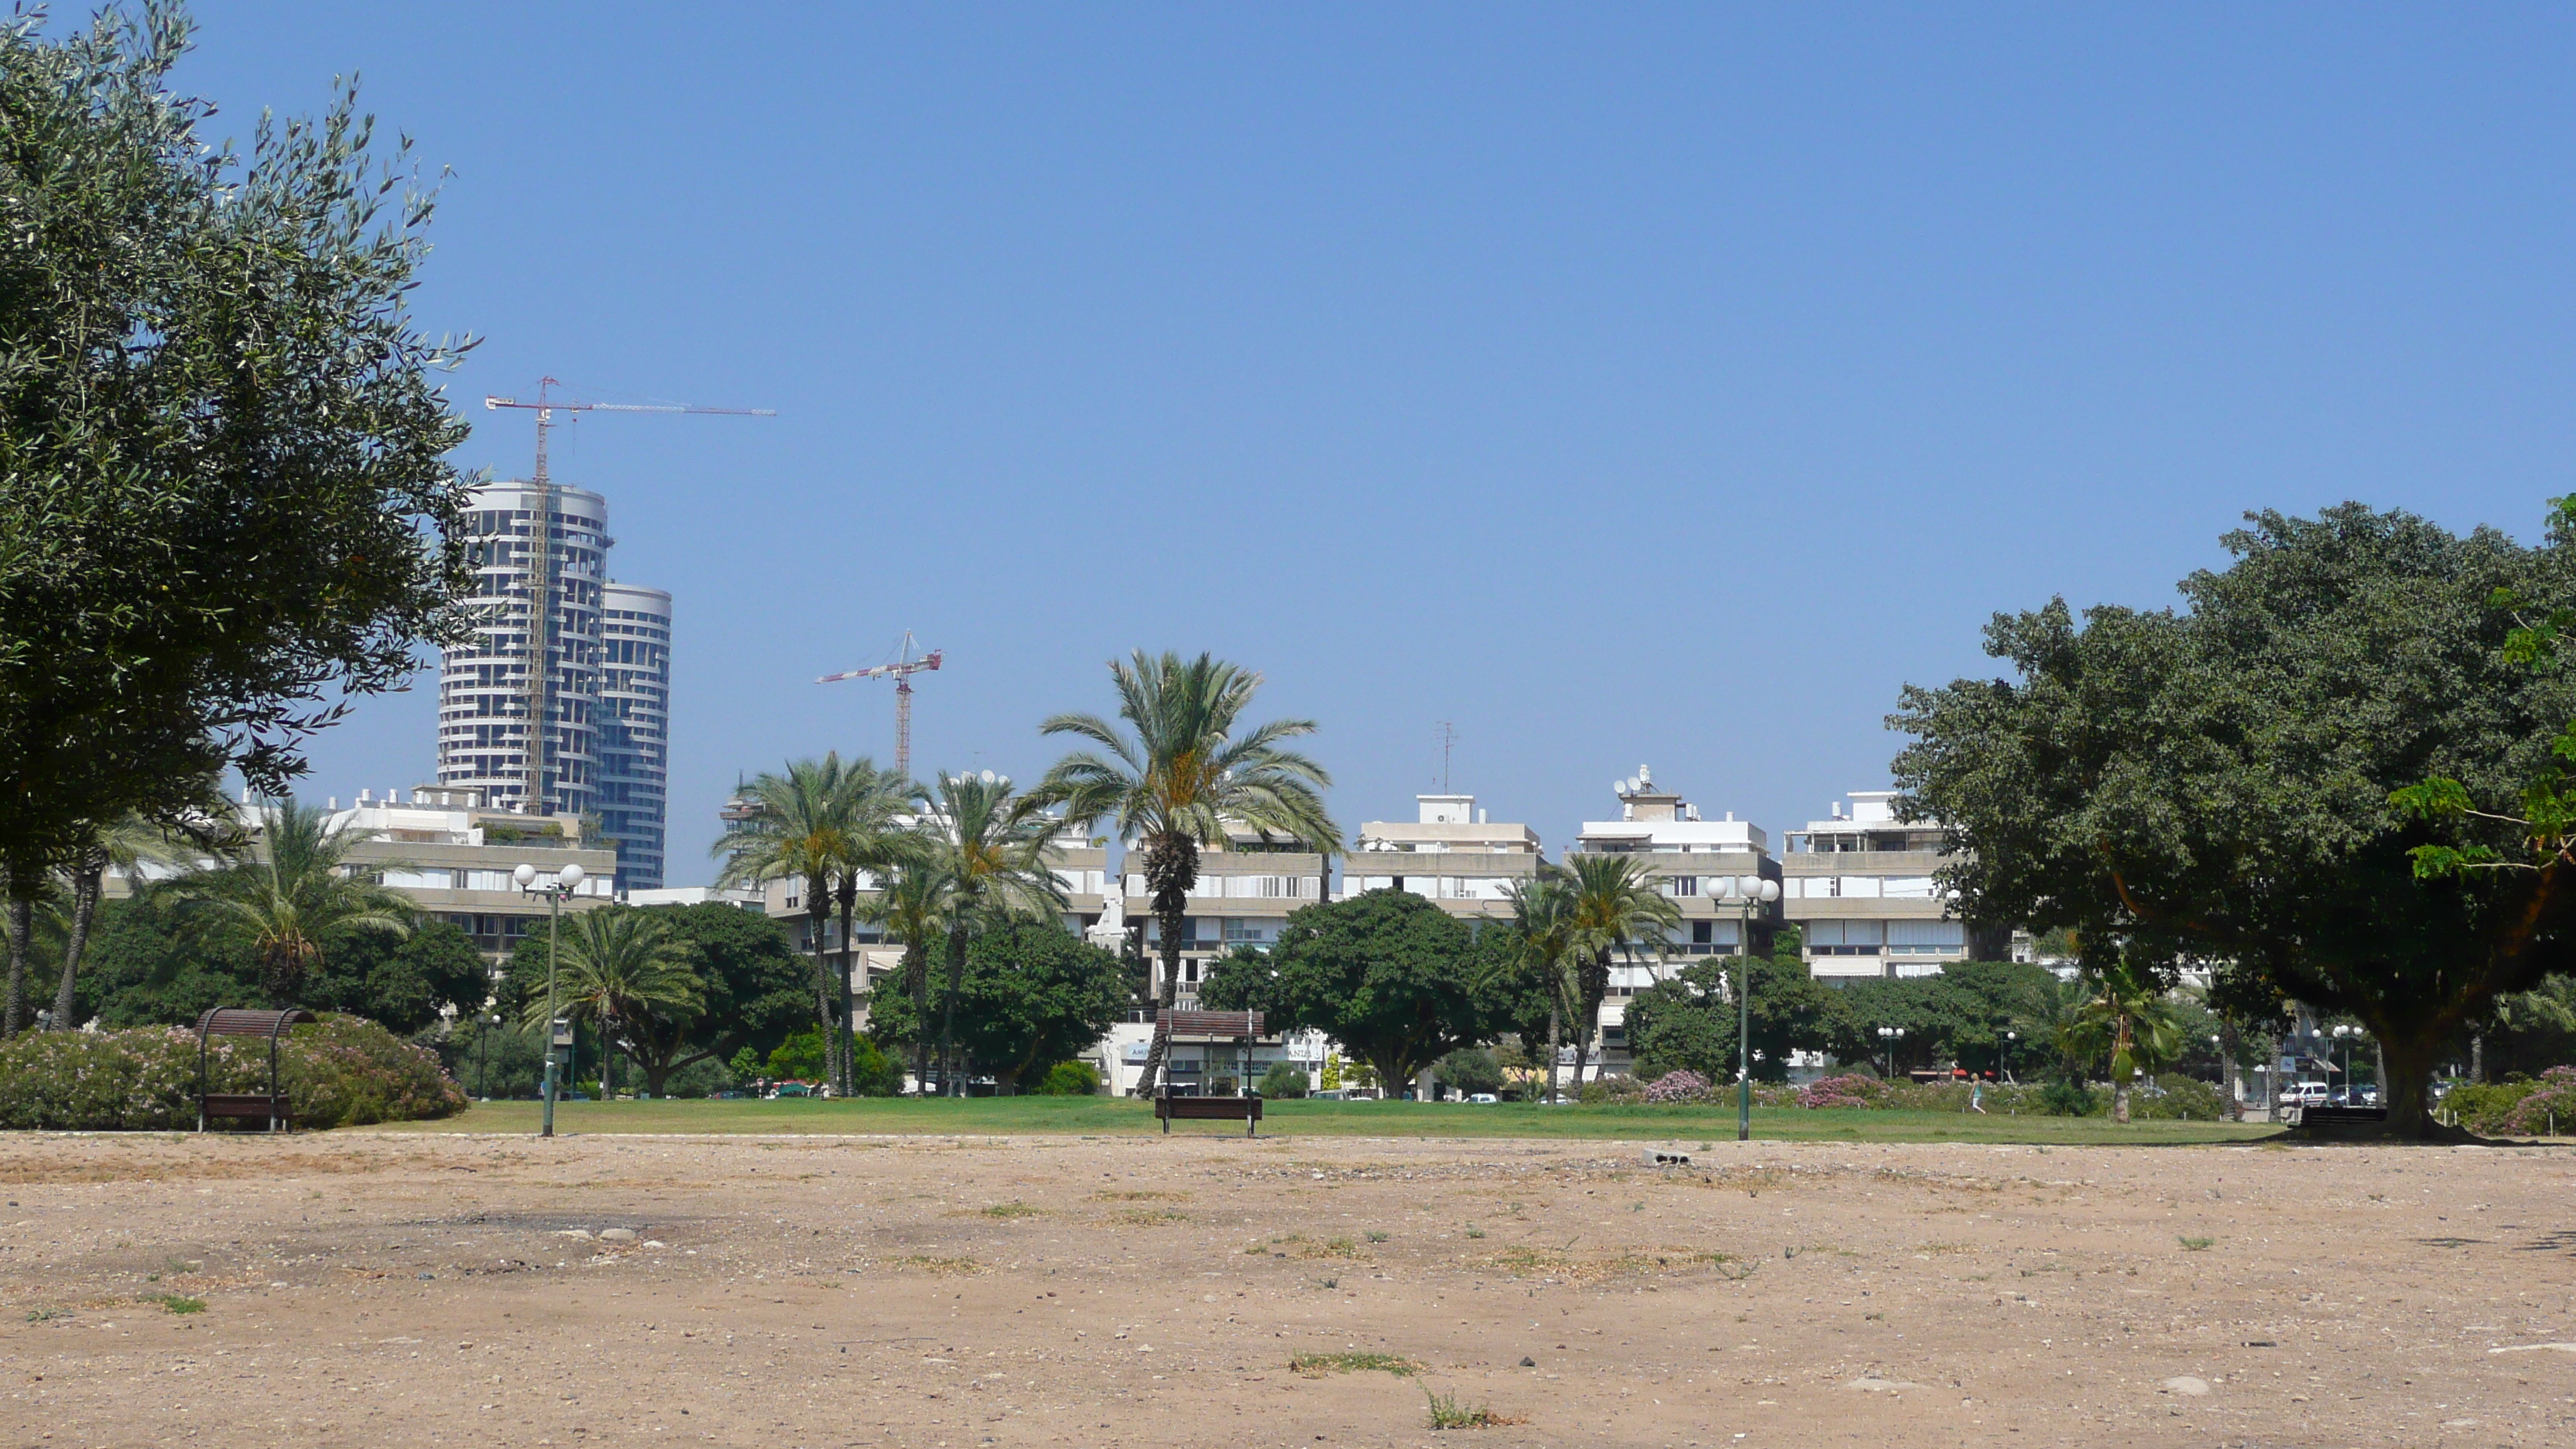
{"points": [[1624, 384]]}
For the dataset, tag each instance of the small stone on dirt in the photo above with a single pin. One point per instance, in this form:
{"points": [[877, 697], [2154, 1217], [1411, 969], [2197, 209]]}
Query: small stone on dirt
{"points": [[2188, 1386]]}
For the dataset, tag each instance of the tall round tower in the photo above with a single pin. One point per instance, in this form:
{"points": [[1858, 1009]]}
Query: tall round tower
{"points": [[537, 576], [633, 728]]}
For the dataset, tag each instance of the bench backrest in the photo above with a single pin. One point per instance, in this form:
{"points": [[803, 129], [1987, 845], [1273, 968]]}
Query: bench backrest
{"points": [[237, 1021], [1211, 1023]]}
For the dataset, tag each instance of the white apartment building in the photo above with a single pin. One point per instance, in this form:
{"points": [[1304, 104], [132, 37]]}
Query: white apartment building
{"points": [[1684, 851], [454, 858], [1860, 887], [1449, 854]]}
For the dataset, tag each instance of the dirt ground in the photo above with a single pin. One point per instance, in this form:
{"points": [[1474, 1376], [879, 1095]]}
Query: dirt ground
{"points": [[373, 1289]]}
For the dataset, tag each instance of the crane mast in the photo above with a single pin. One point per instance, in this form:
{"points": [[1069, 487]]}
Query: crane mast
{"points": [[542, 643], [901, 672]]}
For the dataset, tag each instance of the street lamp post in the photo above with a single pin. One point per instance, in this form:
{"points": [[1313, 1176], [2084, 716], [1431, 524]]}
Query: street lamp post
{"points": [[2344, 1035], [2009, 1038], [1746, 893], [563, 885], [491, 1021], [1890, 1036]]}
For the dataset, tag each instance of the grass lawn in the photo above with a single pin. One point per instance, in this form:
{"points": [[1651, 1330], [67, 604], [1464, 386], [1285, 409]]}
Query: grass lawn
{"points": [[1109, 1116]]}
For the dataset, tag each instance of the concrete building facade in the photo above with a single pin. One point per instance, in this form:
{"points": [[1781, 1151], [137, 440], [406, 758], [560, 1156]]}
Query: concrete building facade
{"points": [[632, 729], [1448, 854], [1683, 852], [1861, 889]]}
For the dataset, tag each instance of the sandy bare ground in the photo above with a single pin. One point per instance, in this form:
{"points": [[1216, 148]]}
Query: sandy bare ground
{"points": [[386, 1289]]}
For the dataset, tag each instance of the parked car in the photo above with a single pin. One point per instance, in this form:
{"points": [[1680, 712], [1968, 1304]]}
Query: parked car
{"points": [[2304, 1094], [1484, 1097]]}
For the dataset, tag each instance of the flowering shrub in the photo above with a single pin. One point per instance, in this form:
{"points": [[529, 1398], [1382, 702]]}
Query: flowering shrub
{"points": [[1683, 1085], [2532, 1113], [341, 1071], [1854, 1091]]}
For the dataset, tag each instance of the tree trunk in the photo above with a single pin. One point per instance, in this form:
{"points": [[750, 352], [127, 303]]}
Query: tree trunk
{"points": [[1592, 985], [2477, 1059], [849, 903], [818, 914], [950, 1081], [1171, 868], [916, 980], [22, 925], [86, 884], [2120, 1100], [1552, 1030], [2407, 1078]]}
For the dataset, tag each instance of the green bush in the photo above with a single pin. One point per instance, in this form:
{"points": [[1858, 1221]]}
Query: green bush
{"points": [[2181, 1098], [1068, 1079], [342, 1071], [1609, 1090], [1284, 1080], [2062, 1098], [872, 1072]]}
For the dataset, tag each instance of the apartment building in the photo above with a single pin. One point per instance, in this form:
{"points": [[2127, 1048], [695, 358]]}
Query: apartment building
{"points": [[1449, 854], [1683, 852], [1247, 889], [453, 857], [1860, 888]]}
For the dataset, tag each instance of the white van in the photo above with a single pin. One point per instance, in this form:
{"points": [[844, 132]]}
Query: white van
{"points": [[2304, 1094]]}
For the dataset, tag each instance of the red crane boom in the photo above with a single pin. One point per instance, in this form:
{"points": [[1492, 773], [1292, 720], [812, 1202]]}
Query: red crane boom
{"points": [[901, 672]]}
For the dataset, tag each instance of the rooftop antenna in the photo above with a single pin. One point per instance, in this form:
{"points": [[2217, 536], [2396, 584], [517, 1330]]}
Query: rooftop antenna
{"points": [[1448, 737]]}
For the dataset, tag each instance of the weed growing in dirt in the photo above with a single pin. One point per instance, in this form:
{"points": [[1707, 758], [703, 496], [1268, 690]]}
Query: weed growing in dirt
{"points": [[1316, 1365], [47, 1315], [1377, 1237], [2196, 1245], [176, 1302], [1474, 1231], [1148, 1217], [1448, 1413], [1012, 1210], [940, 1267], [1140, 1197], [1331, 1282]]}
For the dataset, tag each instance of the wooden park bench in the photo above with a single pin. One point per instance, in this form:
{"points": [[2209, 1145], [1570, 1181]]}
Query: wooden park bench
{"points": [[1246, 1110], [271, 1106]]}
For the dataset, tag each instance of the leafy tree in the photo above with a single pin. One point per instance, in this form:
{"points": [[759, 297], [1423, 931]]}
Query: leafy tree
{"points": [[1030, 994], [294, 900], [1284, 1081], [2531, 1031], [1387, 974], [229, 498], [1469, 1069], [1611, 904], [799, 1058], [404, 984], [987, 848], [2214, 784], [1189, 770], [1689, 1019]]}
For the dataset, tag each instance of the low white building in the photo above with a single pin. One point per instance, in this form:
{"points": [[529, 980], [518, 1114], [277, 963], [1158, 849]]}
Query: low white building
{"points": [[1861, 889], [1450, 854]]}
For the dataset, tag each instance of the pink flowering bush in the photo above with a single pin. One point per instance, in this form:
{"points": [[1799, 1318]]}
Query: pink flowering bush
{"points": [[341, 1071], [1681, 1085], [1853, 1091], [2554, 1093]]}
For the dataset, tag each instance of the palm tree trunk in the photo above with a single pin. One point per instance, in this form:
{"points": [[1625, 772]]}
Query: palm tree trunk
{"points": [[916, 965], [85, 889], [818, 915], [1593, 983], [22, 924], [949, 1082], [1171, 868], [849, 902], [1553, 1027]]}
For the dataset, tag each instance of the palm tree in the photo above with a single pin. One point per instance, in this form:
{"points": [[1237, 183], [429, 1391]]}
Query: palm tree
{"points": [[907, 909], [2128, 1016], [1181, 778], [877, 838], [987, 853], [296, 897], [1611, 905], [1542, 950], [624, 970], [816, 824]]}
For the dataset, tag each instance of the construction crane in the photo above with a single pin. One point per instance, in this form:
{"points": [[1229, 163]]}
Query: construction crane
{"points": [[541, 602], [901, 672]]}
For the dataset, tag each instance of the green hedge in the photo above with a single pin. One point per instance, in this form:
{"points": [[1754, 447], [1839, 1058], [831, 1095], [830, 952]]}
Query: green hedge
{"points": [[341, 1071]]}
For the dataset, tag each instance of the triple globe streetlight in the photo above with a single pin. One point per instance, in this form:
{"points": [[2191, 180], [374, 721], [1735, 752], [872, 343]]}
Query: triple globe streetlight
{"points": [[1748, 894], [566, 880]]}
